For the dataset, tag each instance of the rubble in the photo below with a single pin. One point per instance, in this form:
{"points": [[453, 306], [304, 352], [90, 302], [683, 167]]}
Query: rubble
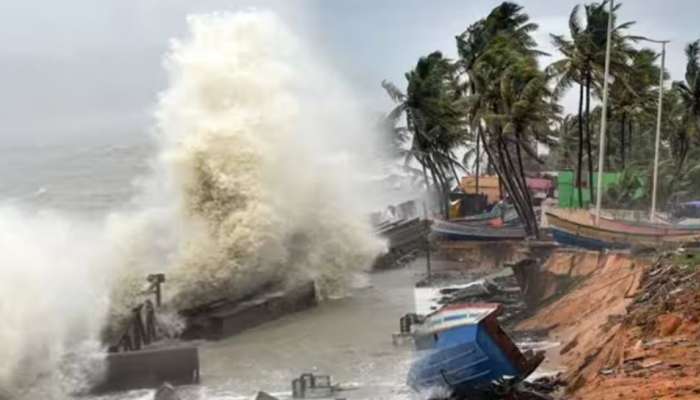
{"points": [[502, 290]]}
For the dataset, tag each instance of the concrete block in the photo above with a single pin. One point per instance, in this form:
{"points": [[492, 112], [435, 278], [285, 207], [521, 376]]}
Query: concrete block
{"points": [[150, 369]]}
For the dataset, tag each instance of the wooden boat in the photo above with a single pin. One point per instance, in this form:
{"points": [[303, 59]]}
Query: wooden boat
{"points": [[499, 212], [661, 224], [462, 350], [453, 231], [577, 228]]}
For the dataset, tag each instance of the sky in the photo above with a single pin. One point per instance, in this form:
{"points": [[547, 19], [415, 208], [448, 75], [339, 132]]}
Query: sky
{"points": [[90, 71]]}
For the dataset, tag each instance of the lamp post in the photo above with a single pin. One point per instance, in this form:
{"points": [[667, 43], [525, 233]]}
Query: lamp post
{"points": [[604, 116], [601, 149], [652, 212]]}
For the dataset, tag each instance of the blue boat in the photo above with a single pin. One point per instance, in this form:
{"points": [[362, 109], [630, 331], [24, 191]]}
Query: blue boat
{"points": [[462, 350]]}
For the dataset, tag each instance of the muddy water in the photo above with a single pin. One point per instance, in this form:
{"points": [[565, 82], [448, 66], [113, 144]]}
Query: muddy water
{"points": [[349, 338]]}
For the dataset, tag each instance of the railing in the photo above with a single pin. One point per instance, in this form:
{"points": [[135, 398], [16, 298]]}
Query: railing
{"points": [[141, 328]]}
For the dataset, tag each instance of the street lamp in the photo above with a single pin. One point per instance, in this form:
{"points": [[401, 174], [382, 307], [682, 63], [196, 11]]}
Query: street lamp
{"points": [[601, 149], [652, 213], [604, 116]]}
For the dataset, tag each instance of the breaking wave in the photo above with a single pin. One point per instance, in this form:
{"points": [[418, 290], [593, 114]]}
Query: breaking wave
{"points": [[243, 127], [246, 191]]}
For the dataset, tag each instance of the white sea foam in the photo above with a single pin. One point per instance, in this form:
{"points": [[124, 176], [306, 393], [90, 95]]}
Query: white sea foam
{"points": [[53, 296], [250, 187]]}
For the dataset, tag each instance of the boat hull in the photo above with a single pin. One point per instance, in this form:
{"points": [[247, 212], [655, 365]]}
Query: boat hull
{"points": [[568, 239], [458, 232], [466, 358], [579, 230]]}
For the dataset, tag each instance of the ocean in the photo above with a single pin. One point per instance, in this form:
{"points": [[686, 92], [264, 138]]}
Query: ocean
{"points": [[255, 144], [87, 180]]}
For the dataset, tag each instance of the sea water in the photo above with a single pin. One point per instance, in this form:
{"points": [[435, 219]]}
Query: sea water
{"points": [[250, 174]]}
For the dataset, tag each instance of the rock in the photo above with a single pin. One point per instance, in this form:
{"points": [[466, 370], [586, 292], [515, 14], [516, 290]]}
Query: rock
{"points": [[166, 392], [668, 324]]}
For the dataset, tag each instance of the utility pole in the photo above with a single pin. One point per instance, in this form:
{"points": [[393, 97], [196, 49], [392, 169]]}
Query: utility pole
{"points": [[652, 213], [604, 116]]}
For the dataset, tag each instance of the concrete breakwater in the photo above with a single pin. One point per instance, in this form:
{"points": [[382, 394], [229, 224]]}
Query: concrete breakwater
{"points": [[224, 318], [147, 362]]}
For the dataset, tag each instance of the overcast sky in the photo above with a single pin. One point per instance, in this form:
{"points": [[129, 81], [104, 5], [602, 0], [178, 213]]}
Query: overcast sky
{"points": [[90, 70]]}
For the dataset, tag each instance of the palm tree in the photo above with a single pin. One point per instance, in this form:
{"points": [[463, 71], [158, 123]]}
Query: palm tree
{"points": [[584, 57], [682, 122], [633, 95], [508, 99], [689, 93], [505, 20], [434, 120]]}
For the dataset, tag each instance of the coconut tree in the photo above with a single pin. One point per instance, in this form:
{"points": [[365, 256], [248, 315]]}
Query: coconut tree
{"points": [[682, 128], [689, 94], [516, 107], [582, 65], [633, 95], [509, 102], [433, 121], [506, 20]]}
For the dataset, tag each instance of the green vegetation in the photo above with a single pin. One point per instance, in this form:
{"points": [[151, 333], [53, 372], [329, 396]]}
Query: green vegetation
{"points": [[497, 104]]}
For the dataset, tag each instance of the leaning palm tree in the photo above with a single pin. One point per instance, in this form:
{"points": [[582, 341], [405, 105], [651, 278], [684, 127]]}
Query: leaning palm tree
{"points": [[506, 20], [433, 122], [507, 100]]}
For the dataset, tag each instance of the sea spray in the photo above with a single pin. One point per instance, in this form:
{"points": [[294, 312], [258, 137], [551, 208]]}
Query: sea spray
{"points": [[247, 127], [53, 299], [252, 186]]}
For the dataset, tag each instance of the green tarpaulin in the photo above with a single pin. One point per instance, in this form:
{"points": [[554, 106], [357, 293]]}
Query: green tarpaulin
{"points": [[568, 194]]}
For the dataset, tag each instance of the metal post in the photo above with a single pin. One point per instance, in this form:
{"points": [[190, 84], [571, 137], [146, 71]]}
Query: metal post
{"points": [[652, 214], [427, 260], [604, 116], [156, 281], [427, 243]]}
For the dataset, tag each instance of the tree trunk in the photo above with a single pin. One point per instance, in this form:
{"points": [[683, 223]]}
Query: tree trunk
{"points": [[518, 191], [440, 186], [629, 138], [478, 137], [622, 138], [506, 174], [529, 204], [579, 166], [589, 149]]}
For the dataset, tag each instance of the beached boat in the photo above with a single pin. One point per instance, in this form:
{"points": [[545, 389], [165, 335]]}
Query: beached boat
{"points": [[453, 231], [684, 224], [501, 212], [462, 350], [578, 228]]}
